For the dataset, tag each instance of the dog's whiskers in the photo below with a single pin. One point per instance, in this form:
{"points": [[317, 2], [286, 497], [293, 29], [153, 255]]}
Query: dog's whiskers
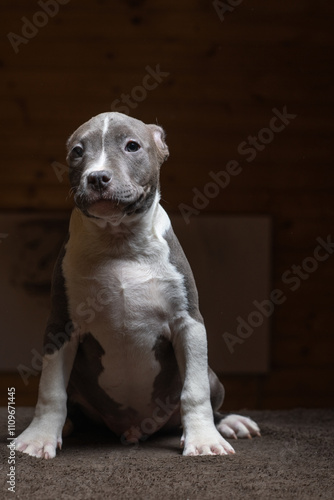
{"points": [[72, 191]]}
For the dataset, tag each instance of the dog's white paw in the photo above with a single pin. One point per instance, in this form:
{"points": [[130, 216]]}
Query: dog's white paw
{"points": [[206, 443], [38, 442], [236, 426]]}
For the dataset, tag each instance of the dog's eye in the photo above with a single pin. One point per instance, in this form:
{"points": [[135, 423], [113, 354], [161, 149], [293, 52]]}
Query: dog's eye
{"points": [[77, 152], [132, 147]]}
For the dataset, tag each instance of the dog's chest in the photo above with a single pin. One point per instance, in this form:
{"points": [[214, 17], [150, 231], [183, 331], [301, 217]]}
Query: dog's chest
{"points": [[126, 305], [128, 297]]}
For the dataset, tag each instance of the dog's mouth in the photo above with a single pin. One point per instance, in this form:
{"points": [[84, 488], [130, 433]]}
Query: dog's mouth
{"points": [[103, 207], [109, 206], [117, 204]]}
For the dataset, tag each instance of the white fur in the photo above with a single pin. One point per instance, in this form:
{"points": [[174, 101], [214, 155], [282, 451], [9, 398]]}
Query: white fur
{"points": [[98, 165], [237, 426], [44, 433], [101, 162]]}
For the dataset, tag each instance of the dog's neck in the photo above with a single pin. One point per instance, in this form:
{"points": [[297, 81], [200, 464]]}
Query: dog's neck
{"points": [[125, 234]]}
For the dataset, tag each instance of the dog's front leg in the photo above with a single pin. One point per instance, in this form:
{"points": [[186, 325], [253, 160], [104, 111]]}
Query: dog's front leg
{"points": [[44, 433], [200, 436]]}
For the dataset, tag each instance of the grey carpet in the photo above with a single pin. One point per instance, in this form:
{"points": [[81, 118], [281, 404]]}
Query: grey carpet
{"points": [[294, 459]]}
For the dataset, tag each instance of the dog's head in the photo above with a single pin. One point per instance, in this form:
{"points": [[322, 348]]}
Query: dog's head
{"points": [[114, 165]]}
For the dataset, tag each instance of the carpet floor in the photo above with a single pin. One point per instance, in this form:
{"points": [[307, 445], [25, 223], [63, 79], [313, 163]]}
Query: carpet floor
{"points": [[294, 459]]}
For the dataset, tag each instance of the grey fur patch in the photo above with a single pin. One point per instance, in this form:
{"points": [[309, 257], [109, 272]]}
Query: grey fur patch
{"points": [[168, 383], [217, 391], [59, 326], [84, 388], [179, 260]]}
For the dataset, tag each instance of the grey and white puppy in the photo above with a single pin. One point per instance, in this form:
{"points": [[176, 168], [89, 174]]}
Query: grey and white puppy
{"points": [[130, 345]]}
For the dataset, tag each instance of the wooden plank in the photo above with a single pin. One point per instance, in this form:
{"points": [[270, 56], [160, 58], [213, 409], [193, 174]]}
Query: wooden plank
{"points": [[25, 395], [300, 233], [313, 318], [305, 352], [230, 200], [264, 92], [241, 391], [310, 387], [187, 22], [284, 203], [296, 400], [32, 197], [303, 260], [255, 7], [280, 381], [305, 290]]}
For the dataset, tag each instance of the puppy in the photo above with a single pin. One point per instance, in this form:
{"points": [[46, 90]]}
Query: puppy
{"points": [[125, 340]]}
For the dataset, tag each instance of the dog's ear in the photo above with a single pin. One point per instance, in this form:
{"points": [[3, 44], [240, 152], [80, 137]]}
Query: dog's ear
{"points": [[159, 137]]}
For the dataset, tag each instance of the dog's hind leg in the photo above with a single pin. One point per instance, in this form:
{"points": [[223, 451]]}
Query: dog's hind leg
{"points": [[230, 426]]}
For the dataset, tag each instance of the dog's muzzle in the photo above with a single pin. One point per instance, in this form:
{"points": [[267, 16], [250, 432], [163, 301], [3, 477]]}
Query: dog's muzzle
{"points": [[99, 181], [100, 195]]}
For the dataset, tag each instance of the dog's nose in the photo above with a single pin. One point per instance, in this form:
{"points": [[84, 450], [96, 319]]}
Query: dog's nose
{"points": [[99, 180]]}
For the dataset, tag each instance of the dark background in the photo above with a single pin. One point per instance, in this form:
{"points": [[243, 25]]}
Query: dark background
{"points": [[225, 76]]}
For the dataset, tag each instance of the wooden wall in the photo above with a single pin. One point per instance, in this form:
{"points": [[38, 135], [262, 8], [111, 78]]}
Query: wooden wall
{"points": [[221, 80]]}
